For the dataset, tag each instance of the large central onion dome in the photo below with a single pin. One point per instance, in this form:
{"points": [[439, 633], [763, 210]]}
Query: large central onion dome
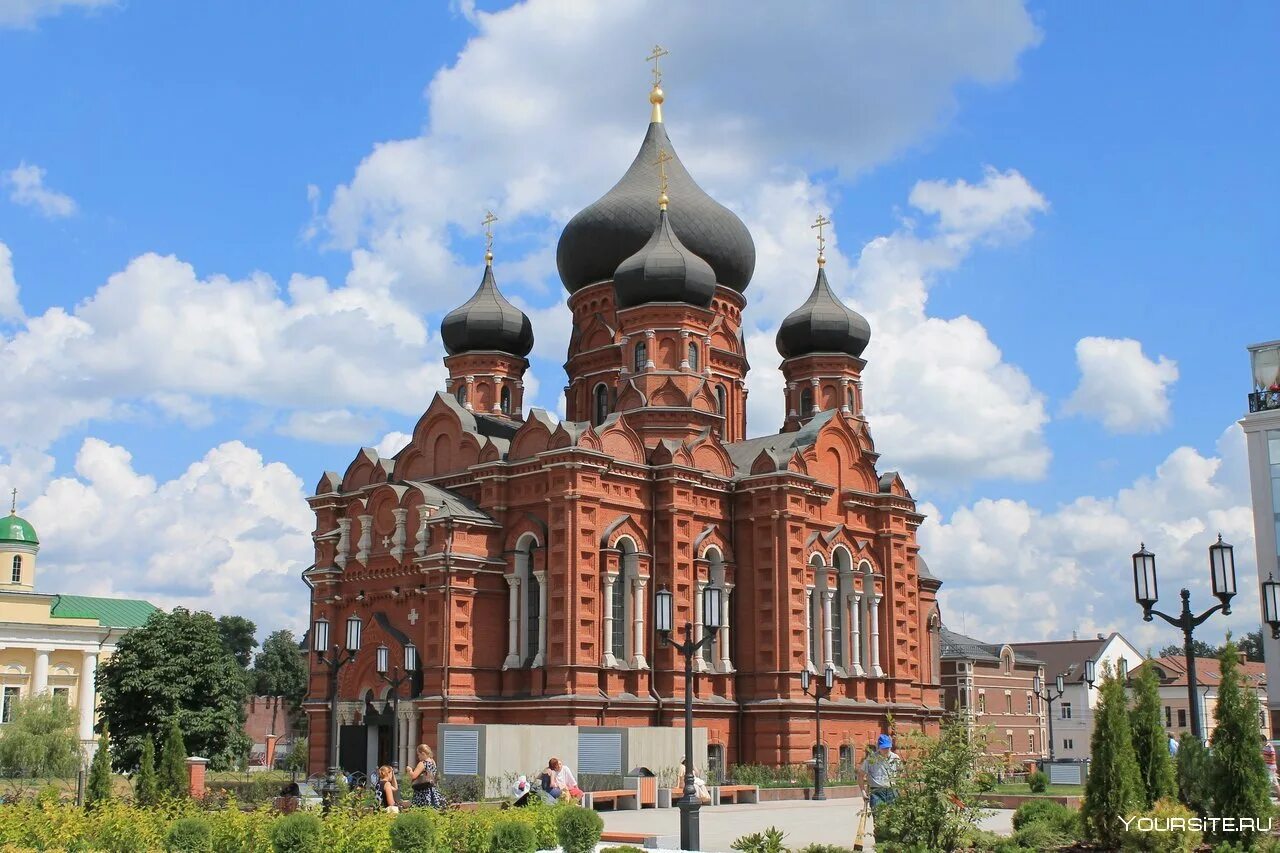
{"points": [[614, 228], [664, 270], [487, 321], [823, 324]]}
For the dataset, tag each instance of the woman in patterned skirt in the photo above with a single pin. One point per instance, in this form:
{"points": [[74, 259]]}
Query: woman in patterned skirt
{"points": [[423, 774]]}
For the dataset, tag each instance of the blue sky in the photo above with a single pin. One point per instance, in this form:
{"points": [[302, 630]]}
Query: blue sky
{"points": [[1049, 173]]}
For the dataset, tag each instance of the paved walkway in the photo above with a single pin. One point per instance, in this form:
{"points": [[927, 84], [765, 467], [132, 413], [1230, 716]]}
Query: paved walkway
{"points": [[803, 821]]}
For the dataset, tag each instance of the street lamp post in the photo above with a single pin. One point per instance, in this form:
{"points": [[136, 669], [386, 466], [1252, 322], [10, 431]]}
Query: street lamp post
{"points": [[820, 691], [1049, 697], [689, 803], [335, 659], [395, 677], [1222, 576], [1271, 605]]}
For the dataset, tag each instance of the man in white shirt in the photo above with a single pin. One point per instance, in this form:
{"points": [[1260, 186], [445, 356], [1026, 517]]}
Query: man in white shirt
{"points": [[879, 772]]}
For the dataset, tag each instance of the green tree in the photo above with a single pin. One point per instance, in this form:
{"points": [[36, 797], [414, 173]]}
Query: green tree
{"points": [[1114, 788], [1241, 787], [1201, 648], [175, 668], [280, 669], [98, 789], [173, 763], [1150, 743], [1194, 782], [1251, 645], [238, 638], [40, 739], [146, 786]]}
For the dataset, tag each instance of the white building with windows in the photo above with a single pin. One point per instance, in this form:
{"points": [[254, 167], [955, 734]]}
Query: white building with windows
{"points": [[52, 644], [1262, 438]]}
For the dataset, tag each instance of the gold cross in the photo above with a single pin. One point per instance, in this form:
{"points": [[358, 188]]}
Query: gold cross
{"points": [[489, 219], [661, 163], [658, 53], [14, 506], [821, 223]]}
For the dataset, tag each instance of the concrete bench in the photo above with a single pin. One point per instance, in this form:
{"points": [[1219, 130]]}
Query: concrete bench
{"points": [[722, 794], [618, 799]]}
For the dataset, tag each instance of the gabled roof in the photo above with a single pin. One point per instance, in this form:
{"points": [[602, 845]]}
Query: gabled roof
{"points": [[959, 647], [1065, 657], [744, 453], [1208, 672], [110, 612]]}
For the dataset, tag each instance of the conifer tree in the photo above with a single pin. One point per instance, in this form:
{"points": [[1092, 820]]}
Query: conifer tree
{"points": [[146, 786], [173, 762], [1150, 744], [1114, 788], [1241, 786], [98, 790]]}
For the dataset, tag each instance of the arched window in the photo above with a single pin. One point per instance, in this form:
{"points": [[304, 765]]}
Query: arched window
{"points": [[806, 401], [721, 395], [460, 393], [600, 404], [846, 762], [531, 636], [505, 403], [693, 356], [621, 606], [840, 582], [17, 568], [815, 612], [642, 355], [714, 653]]}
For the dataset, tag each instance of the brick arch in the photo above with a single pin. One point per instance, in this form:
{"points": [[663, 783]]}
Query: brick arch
{"points": [[620, 441], [624, 527], [381, 501], [364, 470], [668, 394], [533, 437]]}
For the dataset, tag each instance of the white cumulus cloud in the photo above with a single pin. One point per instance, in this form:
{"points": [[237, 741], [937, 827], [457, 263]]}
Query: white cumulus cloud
{"points": [[27, 188], [25, 13], [10, 307], [1120, 387]]}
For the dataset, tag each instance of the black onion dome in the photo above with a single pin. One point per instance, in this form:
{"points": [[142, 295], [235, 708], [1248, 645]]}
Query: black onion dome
{"points": [[487, 321], [612, 229], [664, 270], [823, 324]]}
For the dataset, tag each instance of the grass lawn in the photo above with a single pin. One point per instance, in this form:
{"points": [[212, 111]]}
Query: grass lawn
{"points": [[1051, 791]]}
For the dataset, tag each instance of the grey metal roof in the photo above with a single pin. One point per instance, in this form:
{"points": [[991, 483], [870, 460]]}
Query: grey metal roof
{"points": [[1064, 657], [745, 453], [959, 647], [922, 569], [664, 271], [610, 230], [450, 504], [487, 321], [823, 324]]}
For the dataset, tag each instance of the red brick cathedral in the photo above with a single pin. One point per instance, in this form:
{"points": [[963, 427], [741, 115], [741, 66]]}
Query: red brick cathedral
{"points": [[519, 555]]}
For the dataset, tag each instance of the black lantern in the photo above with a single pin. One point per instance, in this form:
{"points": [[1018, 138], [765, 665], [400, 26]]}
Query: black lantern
{"points": [[1144, 578], [410, 657], [1035, 684], [1122, 669], [383, 659], [320, 635], [1090, 672], [1271, 605], [829, 678], [662, 610], [353, 634], [1059, 684], [1222, 572], [711, 609]]}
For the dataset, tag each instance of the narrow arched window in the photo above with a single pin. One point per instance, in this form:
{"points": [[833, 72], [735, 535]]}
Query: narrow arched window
{"points": [[600, 404], [17, 569], [806, 401], [460, 394], [693, 356], [720, 400], [642, 355], [505, 403]]}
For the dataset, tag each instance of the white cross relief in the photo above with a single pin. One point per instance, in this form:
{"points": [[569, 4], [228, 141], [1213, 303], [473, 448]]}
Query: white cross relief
{"points": [[413, 616], [386, 541]]}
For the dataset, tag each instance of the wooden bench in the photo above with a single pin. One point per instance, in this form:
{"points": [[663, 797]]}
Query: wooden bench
{"points": [[735, 794], [635, 838], [618, 799]]}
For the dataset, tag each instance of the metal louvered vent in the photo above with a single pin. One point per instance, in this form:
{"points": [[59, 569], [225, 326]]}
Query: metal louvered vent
{"points": [[461, 752], [599, 752]]}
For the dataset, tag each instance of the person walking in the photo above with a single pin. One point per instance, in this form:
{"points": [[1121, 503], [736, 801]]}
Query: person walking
{"points": [[1269, 757], [1173, 747], [879, 772], [423, 776]]}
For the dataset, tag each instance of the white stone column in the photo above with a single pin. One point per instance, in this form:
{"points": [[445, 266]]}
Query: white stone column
{"points": [[817, 403], [366, 538], [845, 393], [827, 660], [40, 677], [471, 394], [513, 623], [627, 359], [638, 603], [423, 537], [87, 698], [792, 405], [726, 664], [699, 631], [650, 341], [854, 603], [398, 538], [540, 658], [684, 350], [874, 616], [344, 542], [706, 355], [857, 402], [808, 627], [610, 659]]}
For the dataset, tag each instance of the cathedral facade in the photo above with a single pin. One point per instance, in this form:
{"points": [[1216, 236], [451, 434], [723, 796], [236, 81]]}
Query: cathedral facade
{"points": [[518, 555]]}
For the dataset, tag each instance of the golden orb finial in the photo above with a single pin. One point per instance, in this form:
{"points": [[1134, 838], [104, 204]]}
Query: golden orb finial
{"points": [[821, 223], [661, 163], [656, 95], [489, 219]]}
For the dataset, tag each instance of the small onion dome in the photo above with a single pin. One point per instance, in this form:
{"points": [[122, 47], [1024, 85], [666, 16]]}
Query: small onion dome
{"points": [[612, 229], [664, 270], [487, 321], [14, 528], [823, 324]]}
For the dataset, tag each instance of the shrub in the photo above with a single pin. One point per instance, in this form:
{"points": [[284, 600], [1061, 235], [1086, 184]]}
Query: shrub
{"points": [[512, 836], [985, 781], [172, 775], [462, 789], [298, 833], [622, 848], [98, 790], [146, 786], [413, 832], [1114, 789], [1038, 782], [769, 841], [1041, 836], [189, 835], [1195, 787], [578, 830], [824, 848], [1150, 743], [1163, 838], [1066, 821], [1240, 784]]}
